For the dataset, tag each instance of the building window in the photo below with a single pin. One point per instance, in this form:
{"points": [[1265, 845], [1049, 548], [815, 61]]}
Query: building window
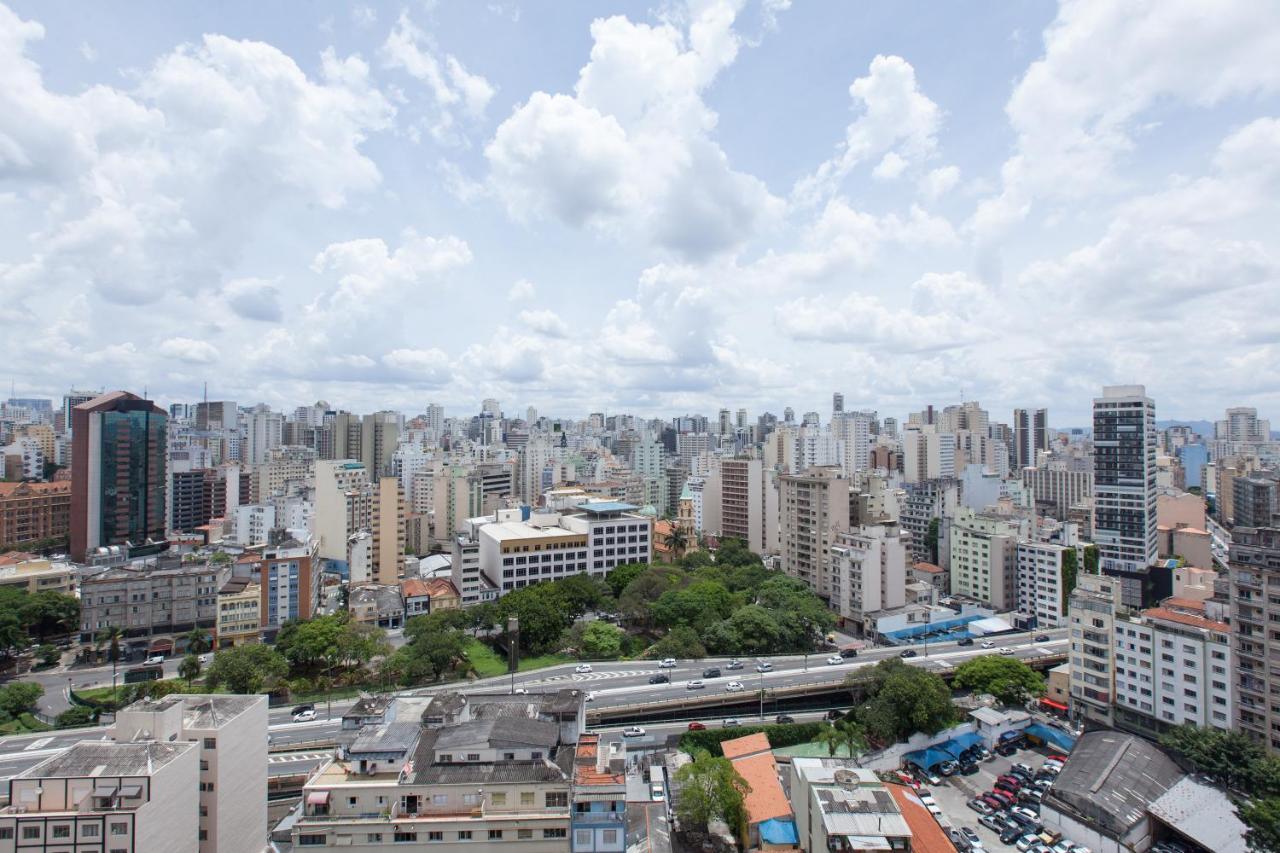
{"points": [[62, 831], [582, 837], [210, 743], [500, 798], [6, 832], [557, 799], [524, 834], [373, 838], [89, 830], [29, 832], [555, 833], [204, 835], [611, 836], [526, 798], [495, 835], [464, 835], [410, 837], [473, 756], [435, 835], [439, 799], [310, 840]]}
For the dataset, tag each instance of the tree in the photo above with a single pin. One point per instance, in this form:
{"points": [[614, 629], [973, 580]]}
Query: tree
{"points": [[751, 630], [676, 541], [711, 788], [1262, 817], [76, 716], [696, 605], [601, 640], [12, 637], [19, 698], [198, 641], [580, 593], [1011, 681], [50, 655], [844, 734], [696, 559], [1070, 571], [1091, 559], [680, 642], [246, 669], [47, 613], [618, 578], [542, 613], [220, 558], [641, 593], [931, 539], [189, 669], [1230, 757], [733, 552], [110, 637], [902, 700]]}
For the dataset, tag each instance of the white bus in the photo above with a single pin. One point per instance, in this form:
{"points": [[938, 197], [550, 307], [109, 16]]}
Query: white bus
{"points": [[657, 787]]}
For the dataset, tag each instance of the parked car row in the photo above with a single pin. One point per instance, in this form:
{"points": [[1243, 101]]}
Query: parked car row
{"points": [[1011, 808]]}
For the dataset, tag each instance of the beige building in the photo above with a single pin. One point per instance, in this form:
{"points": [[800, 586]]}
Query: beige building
{"points": [[230, 734], [388, 531], [1255, 591], [149, 597], [99, 795], [814, 508], [983, 557], [33, 513], [748, 507], [868, 573], [1095, 606], [343, 505], [36, 574], [239, 613]]}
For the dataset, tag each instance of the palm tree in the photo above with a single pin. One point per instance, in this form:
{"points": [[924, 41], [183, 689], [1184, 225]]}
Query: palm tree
{"points": [[110, 637], [189, 669], [852, 736], [677, 541], [832, 737], [198, 641]]}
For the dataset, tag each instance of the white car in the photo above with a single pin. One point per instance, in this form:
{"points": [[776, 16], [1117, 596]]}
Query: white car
{"points": [[694, 685], [155, 659], [520, 691], [582, 667], [731, 723], [304, 716], [835, 659], [986, 644], [633, 731], [667, 663], [591, 696], [207, 657], [1028, 841], [734, 687], [764, 666], [1005, 650]]}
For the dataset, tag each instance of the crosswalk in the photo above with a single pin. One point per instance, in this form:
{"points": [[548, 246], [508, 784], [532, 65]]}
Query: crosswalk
{"points": [[594, 676], [295, 757]]}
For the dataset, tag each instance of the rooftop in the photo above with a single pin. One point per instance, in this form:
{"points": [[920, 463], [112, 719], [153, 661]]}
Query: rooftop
{"points": [[1111, 778], [928, 567], [926, 833], [107, 758], [1164, 614], [1202, 813], [753, 759], [23, 489], [503, 530], [422, 771], [605, 507], [588, 769]]}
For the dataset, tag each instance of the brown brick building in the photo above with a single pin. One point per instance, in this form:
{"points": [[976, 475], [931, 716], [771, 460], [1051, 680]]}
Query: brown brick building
{"points": [[33, 512]]}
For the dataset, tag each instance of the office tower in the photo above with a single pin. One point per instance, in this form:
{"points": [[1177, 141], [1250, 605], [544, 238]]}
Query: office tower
{"points": [[1254, 565], [811, 419], [33, 513], [263, 432], [1124, 488], [837, 403], [724, 424], [343, 504], [388, 531], [1030, 435], [379, 436], [742, 419], [854, 430], [813, 508], [1055, 488], [647, 459], [435, 421], [212, 416], [1255, 500], [118, 474], [890, 429], [531, 416], [72, 399], [690, 445]]}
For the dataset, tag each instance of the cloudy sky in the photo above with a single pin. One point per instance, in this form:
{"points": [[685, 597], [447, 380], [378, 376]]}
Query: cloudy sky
{"points": [[641, 207]]}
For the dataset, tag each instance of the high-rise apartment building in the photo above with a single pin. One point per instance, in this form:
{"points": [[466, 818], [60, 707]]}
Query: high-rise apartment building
{"points": [[1043, 582], [344, 502], [837, 403], [748, 507], [118, 474], [983, 556], [32, 514], [1124, 487], [1243, 426], [263, 432], [72, 399], [379, 436], [1094, 607], [1255, 609], [1055, 488], [814, 507], [1255, 500], [388, 531], [927, 453], [1030, 435], [869, 573]]}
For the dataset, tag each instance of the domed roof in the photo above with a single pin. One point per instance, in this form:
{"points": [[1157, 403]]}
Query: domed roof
{"points": [[649, 510]]}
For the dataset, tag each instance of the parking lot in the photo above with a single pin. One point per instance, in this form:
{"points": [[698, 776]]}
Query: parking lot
{"points": [[955, 792]]}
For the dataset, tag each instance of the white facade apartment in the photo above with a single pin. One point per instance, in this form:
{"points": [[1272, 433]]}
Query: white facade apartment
{"points": [[1174, 666], [927, 454], [1094, 604], [853, 429], [868, 572], [516, 554], [253, 523], [343, 503], [1041, 584], [263, 432], [983, 558], [616, 534]]}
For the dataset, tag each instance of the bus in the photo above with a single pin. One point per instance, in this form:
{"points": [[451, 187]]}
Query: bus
{"points": [[657, 787], [153, 672]]}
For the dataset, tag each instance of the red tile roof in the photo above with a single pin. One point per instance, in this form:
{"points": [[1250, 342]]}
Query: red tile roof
{"points": [[752, 757], [441, 588], [585, 770], [414, 588], [1167, 615], [927, 567], [8, 489], [926, 835]]}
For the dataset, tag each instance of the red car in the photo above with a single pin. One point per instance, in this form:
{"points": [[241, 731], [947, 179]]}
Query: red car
{"points": [[696, 726], [998, 805], [1006, 799], [1010, 782]]}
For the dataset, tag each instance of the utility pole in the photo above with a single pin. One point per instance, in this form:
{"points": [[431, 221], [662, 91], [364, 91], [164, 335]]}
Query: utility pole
{"points": [[513, 649]]}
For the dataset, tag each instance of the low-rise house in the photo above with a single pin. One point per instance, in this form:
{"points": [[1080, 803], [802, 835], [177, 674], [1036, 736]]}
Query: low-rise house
{"points": [[377, 604], [842, 808], [599, 795], [239, 613], [767, 807]]}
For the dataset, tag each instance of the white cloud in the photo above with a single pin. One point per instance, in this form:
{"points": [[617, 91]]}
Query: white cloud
{"points": [[938, 182], [367, 268], [522, 290], [890, 166], [1078, 110], [423, 366], [631, 149], [897, 119], [545, 322], [453, 88], [189, 350], [254, 299]]}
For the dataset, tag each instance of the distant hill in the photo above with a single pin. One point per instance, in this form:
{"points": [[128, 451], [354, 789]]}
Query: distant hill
{"points": [[1204, 428]]}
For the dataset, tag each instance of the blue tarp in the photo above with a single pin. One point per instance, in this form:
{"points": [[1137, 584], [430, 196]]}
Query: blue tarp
{"points": [[775, 831], [929, 757], [1049, 734], [960, 743]]}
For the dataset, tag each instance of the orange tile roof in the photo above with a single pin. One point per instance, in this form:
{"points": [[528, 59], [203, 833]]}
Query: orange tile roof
{"points": [[441, 588], [1184, 603], [927, 567], [14, 557], [414, 587], [8, 489], [1168, 615], [585, 771], [752, 757], [926, 835]]}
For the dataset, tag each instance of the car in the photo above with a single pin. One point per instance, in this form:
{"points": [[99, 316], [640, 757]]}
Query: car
{"points": [[733, 687], [906, 779], [733, 664], [1064, 846], [1031, 796], [980, 806], [694, 685], [848, 653], [784, 719], [1004, 798], [956, 838], [591, 696], [972, 837], [1024, 767], [995, 804], [1050, 771], [764, 666], [659, 678], [1080, 848], [1005, 788], [667, 663], [965, 641], [986, 644], [1011, 834], [298, 709], [907, 653], [633, 731], [834, 714], [1054, 761], [1026, 842], [207, 657], [520, 691], [993, 822], [1005, 650], [923, 775], [154, 659], [834, 659], [731, 722], [304, 716], [713, 672], [1031, 824], [582, 667], [1024, 812], [968, 768], [696, 726], [1006, 749], [656, 794], [934, 809], [1042, 638], [1013, 782], [946, 768]]}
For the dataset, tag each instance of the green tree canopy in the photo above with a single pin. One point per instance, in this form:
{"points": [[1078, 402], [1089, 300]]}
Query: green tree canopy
{"points": [[751, 630], [189, 668], [50, 613], [319, 644], [711, 788], [543, 615], [19, 697], [198, 641], [246, 669], [696, 605], [637, 599], [618, 578], [902, 700], [601, 640], [1009, 680], [681, 642], [1262, 817]]}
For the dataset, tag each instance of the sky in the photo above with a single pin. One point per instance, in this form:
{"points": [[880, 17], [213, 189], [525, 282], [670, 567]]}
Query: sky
{"points": [[648, 208]]}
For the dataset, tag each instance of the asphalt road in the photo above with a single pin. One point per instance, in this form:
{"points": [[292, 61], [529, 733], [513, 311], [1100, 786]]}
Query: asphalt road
{"points": [[614, 683]]}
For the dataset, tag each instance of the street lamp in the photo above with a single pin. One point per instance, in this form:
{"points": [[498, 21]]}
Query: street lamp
{"points": [[513, 649]]}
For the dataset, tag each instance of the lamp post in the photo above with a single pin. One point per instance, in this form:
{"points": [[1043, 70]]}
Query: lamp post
{"points": [[760, 675], [513, 649]]}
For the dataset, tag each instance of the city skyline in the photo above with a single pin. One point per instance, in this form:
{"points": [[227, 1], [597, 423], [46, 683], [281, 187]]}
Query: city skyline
{"points": [[587, 208]]}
